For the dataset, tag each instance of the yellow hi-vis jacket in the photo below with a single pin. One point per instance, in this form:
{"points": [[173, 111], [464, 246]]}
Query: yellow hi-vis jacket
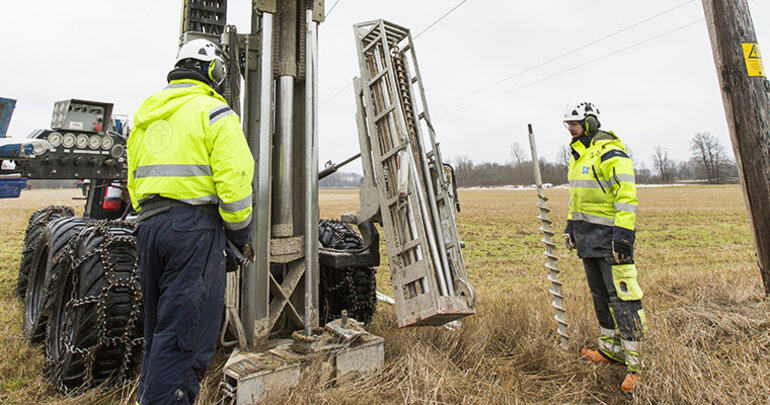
{"points": [[187, 145], [602, 194]]}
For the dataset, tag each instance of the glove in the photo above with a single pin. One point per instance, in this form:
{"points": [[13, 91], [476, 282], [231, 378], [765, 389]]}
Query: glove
{"points": [[239, 245], [569, 237], [231, 260], [623, 245], [622, 252], [249, 253], [236, 259], [569, 242]]}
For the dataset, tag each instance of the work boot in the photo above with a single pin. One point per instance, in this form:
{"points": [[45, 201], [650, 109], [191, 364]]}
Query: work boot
{"points": [[594, 356], [630, 383]]}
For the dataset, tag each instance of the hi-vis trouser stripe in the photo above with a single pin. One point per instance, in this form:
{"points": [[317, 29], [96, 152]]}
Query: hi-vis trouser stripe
{"points": [[219, 112], [631, 350], [609, 344], [172, 171]]}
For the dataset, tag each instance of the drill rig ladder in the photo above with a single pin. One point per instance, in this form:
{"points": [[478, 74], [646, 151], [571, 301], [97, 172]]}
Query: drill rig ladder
{"points": [[405, 183]]}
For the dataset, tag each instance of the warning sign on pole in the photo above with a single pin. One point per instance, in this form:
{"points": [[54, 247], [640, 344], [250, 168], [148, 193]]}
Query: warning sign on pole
{"points": [[753, 60]]}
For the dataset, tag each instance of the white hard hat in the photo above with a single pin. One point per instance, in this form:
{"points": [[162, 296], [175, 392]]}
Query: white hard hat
{"points": [[579, 110], [205, 51], [199, 49]]}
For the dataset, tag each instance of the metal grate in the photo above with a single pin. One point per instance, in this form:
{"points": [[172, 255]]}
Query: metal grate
{"points": [[429, 278], [204, 16]]}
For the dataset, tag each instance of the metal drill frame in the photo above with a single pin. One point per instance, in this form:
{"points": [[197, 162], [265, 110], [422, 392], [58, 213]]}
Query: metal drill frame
{"points": [[427, 270], [279, 291]]}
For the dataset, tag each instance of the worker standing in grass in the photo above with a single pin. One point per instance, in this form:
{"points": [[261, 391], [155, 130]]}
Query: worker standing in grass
{"points": [[189, 175], [600, 224]]}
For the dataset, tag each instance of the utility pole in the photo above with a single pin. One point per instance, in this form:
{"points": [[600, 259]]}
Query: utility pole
{"points": [[746, 99]]}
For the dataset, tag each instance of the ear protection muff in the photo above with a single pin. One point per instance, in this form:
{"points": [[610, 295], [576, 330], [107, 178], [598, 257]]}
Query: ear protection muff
{"points": [[591, 123], [216, 70]]}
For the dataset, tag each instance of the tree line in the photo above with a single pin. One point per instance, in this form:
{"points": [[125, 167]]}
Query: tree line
{"points": [[709, 163]]}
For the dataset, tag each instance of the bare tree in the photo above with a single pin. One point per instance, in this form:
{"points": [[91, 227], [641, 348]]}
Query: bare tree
{"points": [[518, 154], [642, 174], [663, 164], [709, 155], [463, 163]]}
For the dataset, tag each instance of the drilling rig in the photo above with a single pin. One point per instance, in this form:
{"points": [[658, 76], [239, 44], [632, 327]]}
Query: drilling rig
{"points": [[292, 304]]}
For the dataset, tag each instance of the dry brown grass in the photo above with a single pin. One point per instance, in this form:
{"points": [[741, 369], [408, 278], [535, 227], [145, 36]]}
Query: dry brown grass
{"points": [[708, 321]]}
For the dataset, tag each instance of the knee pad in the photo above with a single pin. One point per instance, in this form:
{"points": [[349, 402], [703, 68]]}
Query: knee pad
{"points": [[626, 286]]}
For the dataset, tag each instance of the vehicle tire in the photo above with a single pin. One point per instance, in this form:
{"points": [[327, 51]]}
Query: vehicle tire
{"points": [[37, 222], [46, 264], [351, 288], [95, 333]]}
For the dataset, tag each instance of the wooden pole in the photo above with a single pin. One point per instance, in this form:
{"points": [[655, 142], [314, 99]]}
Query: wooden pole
{"points": [[746, 99]]}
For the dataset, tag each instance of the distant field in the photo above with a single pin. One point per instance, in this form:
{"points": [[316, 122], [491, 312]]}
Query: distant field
{"points": [[708, 320]]}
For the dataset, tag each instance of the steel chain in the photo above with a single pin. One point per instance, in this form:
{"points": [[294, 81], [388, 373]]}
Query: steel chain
{"points": [[360, 304], [70, 261]]}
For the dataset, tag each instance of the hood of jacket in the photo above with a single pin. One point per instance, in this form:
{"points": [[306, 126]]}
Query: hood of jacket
{"points": [[599, 138], [603, 138], [162, 104]]}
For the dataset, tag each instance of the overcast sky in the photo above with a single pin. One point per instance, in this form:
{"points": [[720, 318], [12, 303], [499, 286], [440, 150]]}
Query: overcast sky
{"points": [[658, 93]]}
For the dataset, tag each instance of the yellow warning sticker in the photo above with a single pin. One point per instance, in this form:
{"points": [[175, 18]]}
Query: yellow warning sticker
{"points": [[753, 60]]}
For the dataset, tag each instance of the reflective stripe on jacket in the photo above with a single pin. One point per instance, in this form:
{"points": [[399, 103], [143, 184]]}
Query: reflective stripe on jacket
{"points": [[187, 145], [602, 194]]}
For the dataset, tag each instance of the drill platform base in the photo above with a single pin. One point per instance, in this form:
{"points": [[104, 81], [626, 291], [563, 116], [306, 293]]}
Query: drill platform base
{"points": [[250, 377]]}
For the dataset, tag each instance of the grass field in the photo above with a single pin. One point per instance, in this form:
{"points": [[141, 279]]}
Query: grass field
{"points": [[708, 325]]}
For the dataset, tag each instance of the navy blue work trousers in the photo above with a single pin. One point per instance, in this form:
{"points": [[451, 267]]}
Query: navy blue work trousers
{"points": [[182, 267], [611, 311]]}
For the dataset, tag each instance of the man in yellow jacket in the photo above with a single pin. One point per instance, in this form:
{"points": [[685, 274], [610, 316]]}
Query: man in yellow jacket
{"points": [[189, 175], [600, 224]]}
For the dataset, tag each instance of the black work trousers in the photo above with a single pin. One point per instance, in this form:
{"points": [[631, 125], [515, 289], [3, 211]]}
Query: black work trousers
{"points": [[612, 312], [182, 268]]}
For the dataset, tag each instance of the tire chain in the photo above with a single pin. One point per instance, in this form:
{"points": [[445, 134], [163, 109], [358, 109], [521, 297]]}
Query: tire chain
{"points": [[69, 260], [40, 216], [45, 214], [361, 304]]}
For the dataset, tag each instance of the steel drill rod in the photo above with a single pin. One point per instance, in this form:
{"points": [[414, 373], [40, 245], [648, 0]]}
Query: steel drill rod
{"points": [[332, 168], [284, 166], [411, 119], [553, 276], [311, 186], [432, 244], [258, 107]]}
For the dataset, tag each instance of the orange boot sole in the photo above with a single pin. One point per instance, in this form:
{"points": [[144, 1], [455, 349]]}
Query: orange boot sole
{"points": [[630, 383], [594, 356]]}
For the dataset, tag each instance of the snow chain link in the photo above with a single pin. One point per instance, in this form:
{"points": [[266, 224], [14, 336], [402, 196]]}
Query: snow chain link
{"points": [[360, 303], [69, 261], [44, 217], [46, 214]]}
